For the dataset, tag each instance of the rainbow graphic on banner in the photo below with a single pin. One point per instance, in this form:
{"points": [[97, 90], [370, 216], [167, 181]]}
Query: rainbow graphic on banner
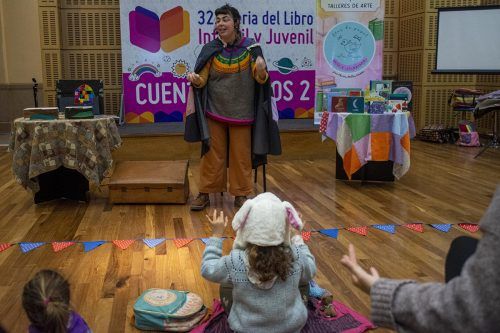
{"points": [[142, 69]]}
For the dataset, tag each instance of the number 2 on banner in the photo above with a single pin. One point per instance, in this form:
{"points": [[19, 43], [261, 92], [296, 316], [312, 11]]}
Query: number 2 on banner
{"points": [[306, 86], [282, 90]]}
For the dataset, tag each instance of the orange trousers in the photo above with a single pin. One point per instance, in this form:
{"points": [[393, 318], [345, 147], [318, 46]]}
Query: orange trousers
{"points": [[213, 167]]}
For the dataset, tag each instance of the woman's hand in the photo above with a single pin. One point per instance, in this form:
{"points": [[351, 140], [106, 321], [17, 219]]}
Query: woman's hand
{"points": [[219, 223], [361, 278], [193, 78], [260, 67]]}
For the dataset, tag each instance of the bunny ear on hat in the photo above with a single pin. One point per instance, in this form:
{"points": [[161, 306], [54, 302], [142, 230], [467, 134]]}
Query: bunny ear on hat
{"points": [[241, 215], [293, 216]]}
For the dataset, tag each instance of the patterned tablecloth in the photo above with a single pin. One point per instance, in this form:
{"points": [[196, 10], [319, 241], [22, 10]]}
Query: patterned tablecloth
{"points": [[371, 137], [39, 146]]}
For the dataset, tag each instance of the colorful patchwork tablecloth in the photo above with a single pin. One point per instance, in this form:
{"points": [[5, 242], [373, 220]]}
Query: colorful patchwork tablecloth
{"points": [[40, 146], [370, 137]]}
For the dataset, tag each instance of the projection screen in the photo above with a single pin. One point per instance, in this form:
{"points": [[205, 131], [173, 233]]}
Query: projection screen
{"points": [[468, 40]]}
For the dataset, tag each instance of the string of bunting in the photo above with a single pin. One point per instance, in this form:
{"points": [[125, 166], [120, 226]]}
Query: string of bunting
{"points": [[181, 242]]}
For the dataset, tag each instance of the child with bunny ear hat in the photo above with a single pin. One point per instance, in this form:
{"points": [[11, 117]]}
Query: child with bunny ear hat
{"points": [[265, 221], [264, 268]]}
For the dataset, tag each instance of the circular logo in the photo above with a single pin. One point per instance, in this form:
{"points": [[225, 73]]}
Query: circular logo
{"points": [[159, 297], [84, 95], [349, 47]]}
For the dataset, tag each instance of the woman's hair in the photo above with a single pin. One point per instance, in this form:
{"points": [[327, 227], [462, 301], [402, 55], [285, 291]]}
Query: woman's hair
{"points": [[270, 261], [46, 301], [234, 13]]}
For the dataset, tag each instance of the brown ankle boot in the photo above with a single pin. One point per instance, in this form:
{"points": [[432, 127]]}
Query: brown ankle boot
{"points": [[239, 200], [201, 201]]}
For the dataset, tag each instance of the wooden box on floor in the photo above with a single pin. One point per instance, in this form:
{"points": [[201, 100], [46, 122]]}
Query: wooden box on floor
{"points": [[149, 182]]}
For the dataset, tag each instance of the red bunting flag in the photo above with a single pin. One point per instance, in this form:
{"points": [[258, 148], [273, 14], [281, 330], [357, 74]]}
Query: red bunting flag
{"points": [[4, 246], [418, 227], [469, 227], [306, 236], [358, 230], [123, 243], [59, 246], [180, 242]]}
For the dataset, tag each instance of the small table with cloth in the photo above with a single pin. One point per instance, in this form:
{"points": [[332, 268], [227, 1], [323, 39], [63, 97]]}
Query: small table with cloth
{"points": [[58, 158], [371, 147]]}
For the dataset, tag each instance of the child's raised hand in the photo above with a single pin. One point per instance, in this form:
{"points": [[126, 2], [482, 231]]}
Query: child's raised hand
{"points": [[361, 278], [296, 235], [296, 232], [219, 223]]}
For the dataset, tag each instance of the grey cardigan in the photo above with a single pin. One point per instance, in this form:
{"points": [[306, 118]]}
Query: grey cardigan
{"points": [[255, 310], [467, 303]]}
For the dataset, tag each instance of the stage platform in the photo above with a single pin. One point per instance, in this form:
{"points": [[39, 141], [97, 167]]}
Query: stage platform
{"points": [[158, 129], [300, 139]]}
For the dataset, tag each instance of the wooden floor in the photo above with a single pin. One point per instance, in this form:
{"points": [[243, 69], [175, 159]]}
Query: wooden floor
{"points": [[444, 185]]}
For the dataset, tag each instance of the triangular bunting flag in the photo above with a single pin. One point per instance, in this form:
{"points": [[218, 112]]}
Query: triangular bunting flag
{"points": [[89, 246], [390, 228], [470, 227], [205, 240], [153, 242], [27, 247], [358, 230], [306, 235], [333, 233], [59, 246], [442, 227], [4, 246], [123, 243], [180, 242], [418, 227]]}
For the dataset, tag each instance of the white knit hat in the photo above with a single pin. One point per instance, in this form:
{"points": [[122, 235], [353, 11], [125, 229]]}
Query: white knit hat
{"points": [[264, 221]]}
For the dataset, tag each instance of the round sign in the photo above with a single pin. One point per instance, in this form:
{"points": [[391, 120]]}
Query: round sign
{"points": [[349, 47]]}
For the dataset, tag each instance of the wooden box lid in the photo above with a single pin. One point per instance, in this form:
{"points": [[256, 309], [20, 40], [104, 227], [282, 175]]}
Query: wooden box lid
{"points": [[149, 173]]}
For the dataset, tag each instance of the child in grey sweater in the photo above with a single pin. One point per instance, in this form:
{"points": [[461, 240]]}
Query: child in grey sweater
{"points": [[265, 266], [467, 303]]}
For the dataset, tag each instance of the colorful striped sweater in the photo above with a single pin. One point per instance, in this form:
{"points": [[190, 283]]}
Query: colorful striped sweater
{"points": [[230, 78]]}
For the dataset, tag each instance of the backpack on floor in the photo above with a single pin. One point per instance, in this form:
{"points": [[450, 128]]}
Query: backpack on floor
{"points": [[168, 310], [468, 134]]}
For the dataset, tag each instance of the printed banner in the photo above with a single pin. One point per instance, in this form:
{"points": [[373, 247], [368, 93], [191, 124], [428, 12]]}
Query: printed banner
{"points": [[349, 43], [161, 40], [351, 5]]}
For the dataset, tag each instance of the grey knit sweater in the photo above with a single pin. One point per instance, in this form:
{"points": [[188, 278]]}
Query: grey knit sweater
{"points": [[255, 310], [468, 303]]}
